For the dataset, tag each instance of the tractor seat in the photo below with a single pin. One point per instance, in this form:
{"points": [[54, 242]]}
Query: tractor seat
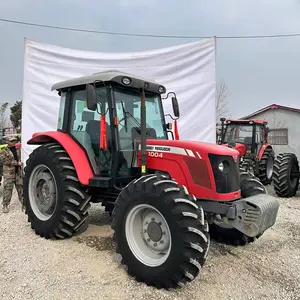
{"points": [[105, 157], [136, 133], [248, 141], [93, 130]]}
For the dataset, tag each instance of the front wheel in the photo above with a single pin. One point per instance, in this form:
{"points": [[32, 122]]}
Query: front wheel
{"points": [[160, 232]]}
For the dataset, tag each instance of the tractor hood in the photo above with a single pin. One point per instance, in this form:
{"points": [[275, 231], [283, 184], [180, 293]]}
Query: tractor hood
{"points": [[191, 148], [197, 165]]}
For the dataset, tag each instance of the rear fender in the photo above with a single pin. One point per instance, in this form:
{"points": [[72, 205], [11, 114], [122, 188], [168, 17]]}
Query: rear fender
{"points": [[76, 153], [263, 149]]}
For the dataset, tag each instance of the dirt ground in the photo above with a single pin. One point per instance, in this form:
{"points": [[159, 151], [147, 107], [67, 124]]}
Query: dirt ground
{"points": [[86, 266]]}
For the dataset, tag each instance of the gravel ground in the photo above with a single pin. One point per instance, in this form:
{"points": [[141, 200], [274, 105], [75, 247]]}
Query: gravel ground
{"points": [[86, 267]]}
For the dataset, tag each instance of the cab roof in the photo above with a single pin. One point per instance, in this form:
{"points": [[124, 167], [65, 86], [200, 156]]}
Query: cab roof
{"points": [[246, 121], [109, 75]]}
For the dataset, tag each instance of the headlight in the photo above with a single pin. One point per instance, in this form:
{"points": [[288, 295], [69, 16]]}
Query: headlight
{"points": [[161, 89], [224, 166], [221, 166], [126, 80]]}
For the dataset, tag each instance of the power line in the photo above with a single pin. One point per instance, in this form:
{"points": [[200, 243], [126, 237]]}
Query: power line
{"points": [[149, 35], [100, 32]]}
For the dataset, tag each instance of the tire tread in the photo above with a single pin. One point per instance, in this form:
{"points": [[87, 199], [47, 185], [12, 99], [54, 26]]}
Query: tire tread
{"points": [[281, 182], [262, 166], [195, 236]]}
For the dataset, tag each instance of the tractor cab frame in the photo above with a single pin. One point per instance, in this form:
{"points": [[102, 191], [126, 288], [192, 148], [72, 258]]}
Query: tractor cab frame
{"points": [[107, 117]]}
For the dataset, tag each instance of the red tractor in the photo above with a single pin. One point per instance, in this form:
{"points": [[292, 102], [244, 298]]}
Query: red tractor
{"points": [[167, 197], [249, 137]]}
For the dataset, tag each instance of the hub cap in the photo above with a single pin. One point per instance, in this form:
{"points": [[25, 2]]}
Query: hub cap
{"points": [[42, 192], [148, 235]]}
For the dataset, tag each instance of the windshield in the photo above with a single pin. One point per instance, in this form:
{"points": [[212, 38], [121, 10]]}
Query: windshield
{"points": [[128, 108], [238, 133]]}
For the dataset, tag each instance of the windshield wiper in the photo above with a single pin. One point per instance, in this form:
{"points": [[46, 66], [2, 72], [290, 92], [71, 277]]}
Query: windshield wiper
{"points": [[125, 117], [135, 120]]}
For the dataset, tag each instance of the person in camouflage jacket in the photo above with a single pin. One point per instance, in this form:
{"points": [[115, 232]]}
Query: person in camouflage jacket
{"points": [[12, 173]]}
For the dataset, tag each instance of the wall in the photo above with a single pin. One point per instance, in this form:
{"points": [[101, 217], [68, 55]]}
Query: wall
{"points": [[279, 118]]}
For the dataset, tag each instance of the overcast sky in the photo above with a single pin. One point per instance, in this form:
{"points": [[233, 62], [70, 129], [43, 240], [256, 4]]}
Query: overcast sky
{"points": [[258, 72]]}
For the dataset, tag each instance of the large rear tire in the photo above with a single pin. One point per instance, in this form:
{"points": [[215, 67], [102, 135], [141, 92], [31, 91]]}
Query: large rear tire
{"points": [[223, 232], [160, 232], [266, 166], [286, 185], [55, 201]]}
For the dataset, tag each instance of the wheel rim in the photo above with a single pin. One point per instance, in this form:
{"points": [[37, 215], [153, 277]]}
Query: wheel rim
{"points": [[42, 192], [270, 165], [148, 235]]}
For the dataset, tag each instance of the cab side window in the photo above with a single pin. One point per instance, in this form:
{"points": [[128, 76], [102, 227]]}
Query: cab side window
{"points": [[85, 128], [61, 110]]}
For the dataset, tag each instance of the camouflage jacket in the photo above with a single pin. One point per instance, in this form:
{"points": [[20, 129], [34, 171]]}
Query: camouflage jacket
{"points": [[10, 165]]}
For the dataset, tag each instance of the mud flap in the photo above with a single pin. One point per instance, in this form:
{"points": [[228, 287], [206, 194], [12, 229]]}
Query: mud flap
{"points": [[255, 214]]}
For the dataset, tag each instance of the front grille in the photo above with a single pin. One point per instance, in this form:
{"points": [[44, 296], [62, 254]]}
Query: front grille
{"points": [[228, 181]]}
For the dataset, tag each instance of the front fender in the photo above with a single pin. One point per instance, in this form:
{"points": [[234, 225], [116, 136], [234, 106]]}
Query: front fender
{"points": [[76, 153]]}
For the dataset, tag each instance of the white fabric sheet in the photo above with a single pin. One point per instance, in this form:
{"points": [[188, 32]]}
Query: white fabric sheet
{"points": [[188, 70]]}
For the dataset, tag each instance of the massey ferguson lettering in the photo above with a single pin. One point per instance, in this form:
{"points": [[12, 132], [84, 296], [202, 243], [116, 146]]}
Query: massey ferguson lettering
{"points": [[164, 149], [168, 149], [159, 148]]}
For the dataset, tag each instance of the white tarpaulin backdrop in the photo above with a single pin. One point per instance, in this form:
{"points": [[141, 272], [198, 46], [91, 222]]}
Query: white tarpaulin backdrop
{"points": [[188, 70]]}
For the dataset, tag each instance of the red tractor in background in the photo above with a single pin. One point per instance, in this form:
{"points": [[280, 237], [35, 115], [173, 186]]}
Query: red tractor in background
{"points": [[249, 137], [167, 197]]}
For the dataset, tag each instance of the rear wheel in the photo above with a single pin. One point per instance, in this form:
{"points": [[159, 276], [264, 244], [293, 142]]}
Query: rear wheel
{"points": [[55, 201], [286, 182], [160, 232], [265, 167], [223, 232]]}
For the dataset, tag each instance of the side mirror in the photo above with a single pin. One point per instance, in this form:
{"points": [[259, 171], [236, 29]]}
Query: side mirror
{"points": [[91, 97], [175, 107]]}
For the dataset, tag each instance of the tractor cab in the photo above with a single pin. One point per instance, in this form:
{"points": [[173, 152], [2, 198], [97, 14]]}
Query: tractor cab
{"points": [[246, 136], [104, 117]]}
